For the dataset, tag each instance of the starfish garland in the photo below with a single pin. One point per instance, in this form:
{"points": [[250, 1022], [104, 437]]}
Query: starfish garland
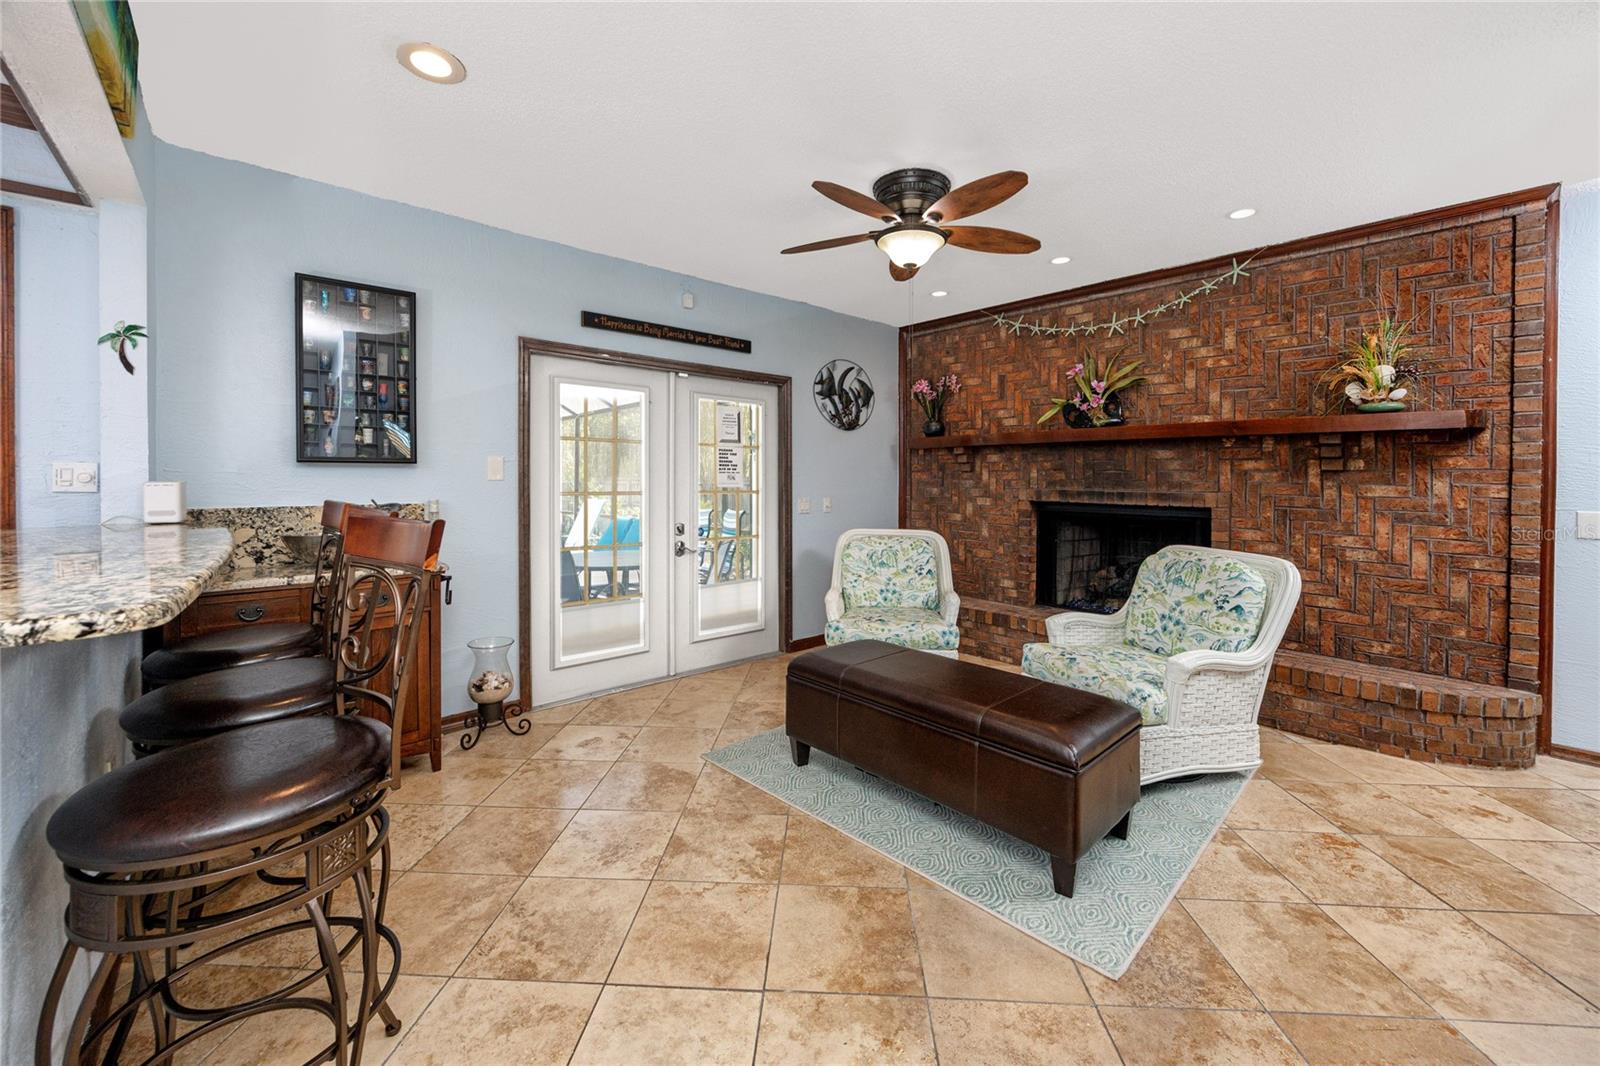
{"points": [[1120, 322]]}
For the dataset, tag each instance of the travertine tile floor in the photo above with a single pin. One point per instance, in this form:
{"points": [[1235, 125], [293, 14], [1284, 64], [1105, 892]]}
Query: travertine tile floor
{"points": [[593, 893]]}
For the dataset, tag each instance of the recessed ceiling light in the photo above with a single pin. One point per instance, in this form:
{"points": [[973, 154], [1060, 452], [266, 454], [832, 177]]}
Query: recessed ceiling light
{"points": [[1243, 212], [1060, 259], [431, 63], [937, 293]]}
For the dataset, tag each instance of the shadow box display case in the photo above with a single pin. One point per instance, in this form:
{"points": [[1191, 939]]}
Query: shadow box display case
{"points": [[355, 370]]}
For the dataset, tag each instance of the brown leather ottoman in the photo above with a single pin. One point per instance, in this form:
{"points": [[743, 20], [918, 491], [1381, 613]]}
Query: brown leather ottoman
{"points": [[1057, 767]]}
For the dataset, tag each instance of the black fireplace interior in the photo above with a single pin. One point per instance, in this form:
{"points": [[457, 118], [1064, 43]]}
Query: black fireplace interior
{"points": [[1089, 554]]}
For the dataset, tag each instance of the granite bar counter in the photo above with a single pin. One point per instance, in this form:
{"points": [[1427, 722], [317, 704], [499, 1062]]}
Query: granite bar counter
{"points": [[73, 604], [93, 581]]}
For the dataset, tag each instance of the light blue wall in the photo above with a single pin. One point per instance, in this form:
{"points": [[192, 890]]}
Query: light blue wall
{"points": [[58, 732], [225, 242], [1576, 655], [58, 369]]}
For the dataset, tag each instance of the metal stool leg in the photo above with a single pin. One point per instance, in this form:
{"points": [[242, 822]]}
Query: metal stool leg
{"points": [[329, 951]]}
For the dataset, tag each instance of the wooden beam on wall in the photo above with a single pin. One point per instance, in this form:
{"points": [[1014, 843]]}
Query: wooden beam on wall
{"points": [[8, 370], [16, 111], [42, 192], [12, 113]]}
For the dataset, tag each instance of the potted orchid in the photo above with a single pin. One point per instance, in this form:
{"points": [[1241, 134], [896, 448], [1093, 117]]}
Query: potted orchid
{"points": [[1094, 401], [931, 396], [1378, 373]]}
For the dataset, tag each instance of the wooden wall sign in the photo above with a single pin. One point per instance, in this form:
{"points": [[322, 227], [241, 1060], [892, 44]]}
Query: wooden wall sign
{"points": [[596, 320]]}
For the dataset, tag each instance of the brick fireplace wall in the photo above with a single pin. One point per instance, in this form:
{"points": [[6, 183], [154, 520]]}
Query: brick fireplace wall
{"points": [[1418, 628]]}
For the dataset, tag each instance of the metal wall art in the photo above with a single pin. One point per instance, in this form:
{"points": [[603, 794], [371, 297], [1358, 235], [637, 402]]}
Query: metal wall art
{"points": [[844, 393]]}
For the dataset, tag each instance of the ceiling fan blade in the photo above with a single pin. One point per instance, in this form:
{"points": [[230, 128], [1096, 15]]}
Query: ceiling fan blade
{"points": [[989, 239], [976, 196], [900, 273], [855, 201], [836, 242]]}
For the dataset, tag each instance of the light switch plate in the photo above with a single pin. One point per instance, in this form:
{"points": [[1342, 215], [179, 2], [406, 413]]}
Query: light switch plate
{"points": [[1589, 525], [497, 468], [827, 505], [74, 477], [803, 505]]}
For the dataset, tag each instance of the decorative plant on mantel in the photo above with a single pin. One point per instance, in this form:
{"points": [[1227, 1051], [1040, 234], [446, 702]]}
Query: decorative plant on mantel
{"points": [[1095, 386], [124, 335], [931, 397], [1379, 371]]}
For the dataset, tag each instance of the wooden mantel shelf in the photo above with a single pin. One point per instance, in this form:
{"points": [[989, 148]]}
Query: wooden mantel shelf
{"points": [[1300, 425]]}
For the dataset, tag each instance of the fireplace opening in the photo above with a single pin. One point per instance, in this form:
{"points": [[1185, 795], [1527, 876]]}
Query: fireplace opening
{"points": [[1089, 554]]}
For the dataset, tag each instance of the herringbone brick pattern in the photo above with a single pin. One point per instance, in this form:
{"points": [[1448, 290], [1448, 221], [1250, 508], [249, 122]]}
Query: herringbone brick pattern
{"points": [[1415, 548]]}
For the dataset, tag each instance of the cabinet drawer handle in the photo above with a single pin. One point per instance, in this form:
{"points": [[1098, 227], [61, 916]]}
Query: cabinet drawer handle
{"points": [[250, 612]]}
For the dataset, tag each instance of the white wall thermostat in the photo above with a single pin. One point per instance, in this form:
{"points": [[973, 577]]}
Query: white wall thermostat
{"points": [[163, 502]]}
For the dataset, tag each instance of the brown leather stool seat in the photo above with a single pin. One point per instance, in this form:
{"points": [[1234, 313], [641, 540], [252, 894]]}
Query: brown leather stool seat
{"points": [[220, 793], [199, 707], [228, 648]]}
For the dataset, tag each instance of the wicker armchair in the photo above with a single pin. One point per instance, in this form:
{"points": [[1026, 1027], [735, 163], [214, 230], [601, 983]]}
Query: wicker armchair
{"points": [[1191, 649], [893, 585]]}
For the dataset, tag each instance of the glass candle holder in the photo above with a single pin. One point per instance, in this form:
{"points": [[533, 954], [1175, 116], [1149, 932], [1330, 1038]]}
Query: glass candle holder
{"points": [[491, 669], [489, 684]]}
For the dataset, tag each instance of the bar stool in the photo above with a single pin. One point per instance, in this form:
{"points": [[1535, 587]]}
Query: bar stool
{"points": [[247, 644], [197, 707], [296, 805]]}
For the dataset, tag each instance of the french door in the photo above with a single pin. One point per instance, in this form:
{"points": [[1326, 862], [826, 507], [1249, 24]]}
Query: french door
{"points": [[653, 525]]}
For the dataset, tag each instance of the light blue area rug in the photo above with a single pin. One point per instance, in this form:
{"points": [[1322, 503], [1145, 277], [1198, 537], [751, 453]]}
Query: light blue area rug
{"points": [[1122, 887]]}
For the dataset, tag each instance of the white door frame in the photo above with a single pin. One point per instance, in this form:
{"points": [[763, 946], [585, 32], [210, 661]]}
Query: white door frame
{"points": [[529, 349]]}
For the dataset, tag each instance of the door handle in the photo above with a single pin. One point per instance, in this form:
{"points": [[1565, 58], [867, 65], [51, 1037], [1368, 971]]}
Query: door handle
{"points": [[680, 549]]}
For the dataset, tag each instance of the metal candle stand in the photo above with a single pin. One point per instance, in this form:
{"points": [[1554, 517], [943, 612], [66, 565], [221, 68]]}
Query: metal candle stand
{"points": [[491, 714]]}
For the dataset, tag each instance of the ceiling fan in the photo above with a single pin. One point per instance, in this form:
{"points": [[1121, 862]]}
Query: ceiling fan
{"points": [[917, 202]]}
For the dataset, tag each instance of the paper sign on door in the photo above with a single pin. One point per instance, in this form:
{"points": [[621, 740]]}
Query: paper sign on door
{"points": [[728, 423], [730, 467], [730, 452]]}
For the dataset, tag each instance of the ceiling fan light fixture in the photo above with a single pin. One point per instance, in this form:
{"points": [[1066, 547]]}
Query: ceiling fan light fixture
{"points": [[911, 246], [431, 63]]}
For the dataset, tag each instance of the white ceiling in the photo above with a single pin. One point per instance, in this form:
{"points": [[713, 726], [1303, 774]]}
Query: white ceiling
{"points": [[685, 135]]}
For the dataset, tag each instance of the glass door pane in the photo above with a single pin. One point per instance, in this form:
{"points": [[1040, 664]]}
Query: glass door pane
{"points": [[600, 504], [729, 499]]}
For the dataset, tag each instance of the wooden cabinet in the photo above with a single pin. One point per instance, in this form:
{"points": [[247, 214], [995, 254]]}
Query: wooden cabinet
{"points": [[225, 609], [421, 732]]}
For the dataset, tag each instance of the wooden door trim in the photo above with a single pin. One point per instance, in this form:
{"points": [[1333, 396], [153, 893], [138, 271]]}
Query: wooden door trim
{"points": [[8, 369], [1547, 475], [529, 348]]}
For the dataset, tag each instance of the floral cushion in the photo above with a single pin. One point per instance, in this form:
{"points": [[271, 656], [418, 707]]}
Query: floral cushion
{"points": [[1184, 599], [909, 627], [883, 570], [1135, 677]]}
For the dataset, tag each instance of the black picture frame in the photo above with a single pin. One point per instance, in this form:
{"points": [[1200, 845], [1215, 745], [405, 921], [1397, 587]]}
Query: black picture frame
{"points": [[352, 338]]}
